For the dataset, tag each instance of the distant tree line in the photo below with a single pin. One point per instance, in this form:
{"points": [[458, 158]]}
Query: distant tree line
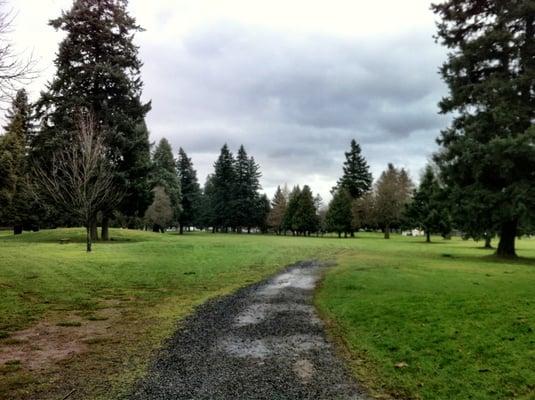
{"points": [[81, 153]]}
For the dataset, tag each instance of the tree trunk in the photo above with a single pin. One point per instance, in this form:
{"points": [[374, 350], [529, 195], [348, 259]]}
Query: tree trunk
{"points": [[88, 238], [93, 229], [181, 229], [248, 229], [488, 240], [387, 232], [105, 230], [17, 229], [339, 235], [352, 234], [428, 237], [506, 246], [156, 228]]}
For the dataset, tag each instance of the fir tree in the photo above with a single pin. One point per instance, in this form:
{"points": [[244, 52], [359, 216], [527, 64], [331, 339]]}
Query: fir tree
{"points": [[489, 71], [357, 178], [288, 222], [17, 205], [164, 174], [246, 189], [98, 69], [338, 217], [427, 210], [305, 219], [191, 192], [223, 200], [206, 217]]}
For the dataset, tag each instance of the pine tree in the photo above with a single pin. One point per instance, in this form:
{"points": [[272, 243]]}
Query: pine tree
{"points": [[246, 190], [191, 192], [206, 217], [288, 222], [357, 178], [426, 208], [338, 217], [224, 189], [278, 209], [262, 211], [164, 174], [489, 146], [306, 219], [17, 206], [98, 69]]}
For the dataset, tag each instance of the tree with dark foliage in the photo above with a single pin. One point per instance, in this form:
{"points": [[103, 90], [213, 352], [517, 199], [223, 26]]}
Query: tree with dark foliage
{"points": [[223, 197], [98, 69], [490, 72], [191, 191], [339, 218], [357, 178], [17, 205], [427, 208]]}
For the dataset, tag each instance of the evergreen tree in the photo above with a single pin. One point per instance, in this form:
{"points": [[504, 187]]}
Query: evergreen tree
{"points": [[191, 191], [262, 211], [160, 213], [245, 190], [206, 217], [98, 69], [426, 209], [164, 174], [357, 178], [391, 197], [224, 183], [17, 205], [338, 217], [288, 222], [278, 209], [489, 71], [306, 219]]}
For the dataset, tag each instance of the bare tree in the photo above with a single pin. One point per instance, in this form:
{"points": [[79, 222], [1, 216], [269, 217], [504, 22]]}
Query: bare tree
{"points": [[80, 181], [160, 212], [392, 193], [15, 70]]}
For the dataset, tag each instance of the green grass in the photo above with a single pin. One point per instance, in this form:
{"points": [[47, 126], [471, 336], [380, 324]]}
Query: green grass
{"points": [[152, 279], [462, 320]]}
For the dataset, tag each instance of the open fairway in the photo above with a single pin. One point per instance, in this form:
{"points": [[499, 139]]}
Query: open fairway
{"points": [[462, 320]]}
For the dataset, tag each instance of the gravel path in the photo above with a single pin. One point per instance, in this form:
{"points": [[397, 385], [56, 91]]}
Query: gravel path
{"points": [[263, 342]]}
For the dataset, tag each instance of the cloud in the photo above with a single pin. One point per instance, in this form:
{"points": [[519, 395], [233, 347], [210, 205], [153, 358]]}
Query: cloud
{"points": [[292, 81], [295, 100]]}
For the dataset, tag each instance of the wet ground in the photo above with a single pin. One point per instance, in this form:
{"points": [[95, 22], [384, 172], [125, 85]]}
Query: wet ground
{"points": [[263, 342]]}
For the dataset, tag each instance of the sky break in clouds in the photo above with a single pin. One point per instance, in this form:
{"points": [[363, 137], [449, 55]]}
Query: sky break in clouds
{"points": [[292, 82]]}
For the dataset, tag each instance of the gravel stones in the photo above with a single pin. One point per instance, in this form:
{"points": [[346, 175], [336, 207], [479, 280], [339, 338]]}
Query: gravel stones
{"points": [[263, 342]]}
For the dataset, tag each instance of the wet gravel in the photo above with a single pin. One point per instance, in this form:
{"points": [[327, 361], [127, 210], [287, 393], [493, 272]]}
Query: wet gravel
{"points": [[263, 342]]}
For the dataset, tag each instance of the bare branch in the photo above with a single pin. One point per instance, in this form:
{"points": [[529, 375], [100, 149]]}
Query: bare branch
{"points": [[15, 70], [79, 180]]}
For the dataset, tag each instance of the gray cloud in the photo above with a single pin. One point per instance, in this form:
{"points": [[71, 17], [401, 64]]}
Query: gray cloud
{"points": [[295, 100]]}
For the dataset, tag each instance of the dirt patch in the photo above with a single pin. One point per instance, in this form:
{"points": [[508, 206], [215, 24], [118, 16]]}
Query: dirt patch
{"points": [[57, 337]]}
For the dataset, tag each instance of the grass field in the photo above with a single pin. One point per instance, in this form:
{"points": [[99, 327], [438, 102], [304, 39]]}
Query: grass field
{"points": [[460, 319]]}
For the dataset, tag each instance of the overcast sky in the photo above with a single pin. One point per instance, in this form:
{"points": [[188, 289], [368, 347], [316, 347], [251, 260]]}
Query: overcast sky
{"points": [[292, 80]]}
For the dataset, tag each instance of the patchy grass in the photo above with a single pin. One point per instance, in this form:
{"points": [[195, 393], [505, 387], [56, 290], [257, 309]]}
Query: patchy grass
{"points": [[459, 318], [439, 321], [132, 289]]}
